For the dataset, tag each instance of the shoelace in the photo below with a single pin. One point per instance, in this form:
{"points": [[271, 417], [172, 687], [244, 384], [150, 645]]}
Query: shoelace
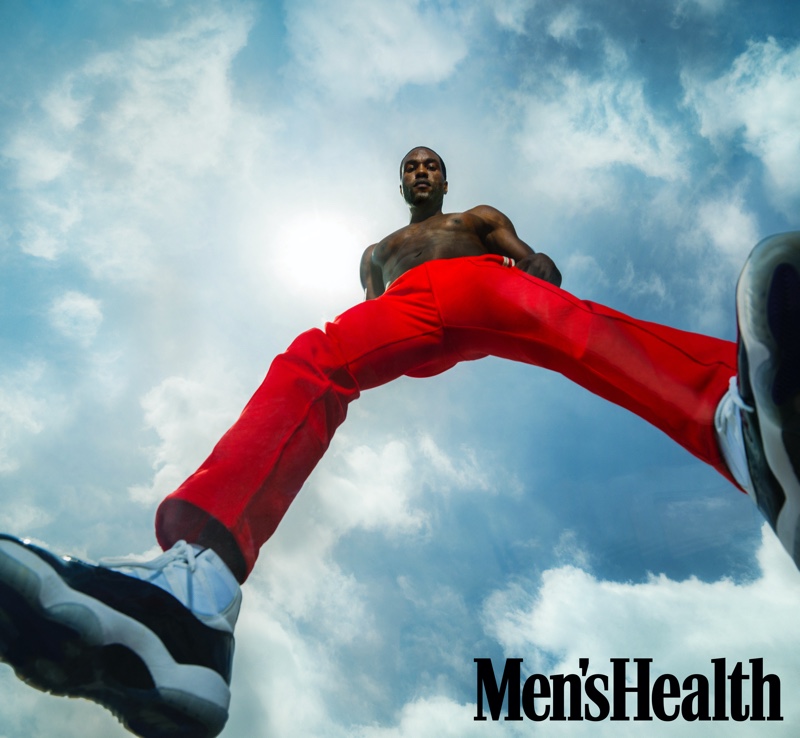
{"points": [[181, 554], [733, 388], [728, 425], [203, 586]]}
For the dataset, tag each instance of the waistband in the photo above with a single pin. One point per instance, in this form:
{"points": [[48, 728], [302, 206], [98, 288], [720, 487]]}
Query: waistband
{"points": [[506, 261]]}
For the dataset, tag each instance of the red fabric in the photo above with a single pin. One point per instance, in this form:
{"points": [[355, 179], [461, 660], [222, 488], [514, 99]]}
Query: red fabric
{"points": [[432, 317]]}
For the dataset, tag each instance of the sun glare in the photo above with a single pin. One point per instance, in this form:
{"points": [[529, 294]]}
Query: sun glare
{"points": [[319, 253]]}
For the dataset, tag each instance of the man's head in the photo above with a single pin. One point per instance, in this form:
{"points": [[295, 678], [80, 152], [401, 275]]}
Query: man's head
{"points": [[430, 151], [423, 178]]}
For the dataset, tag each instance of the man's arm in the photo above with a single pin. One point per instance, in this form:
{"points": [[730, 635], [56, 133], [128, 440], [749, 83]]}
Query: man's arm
{"points": [[500, 237], [371, 275]]}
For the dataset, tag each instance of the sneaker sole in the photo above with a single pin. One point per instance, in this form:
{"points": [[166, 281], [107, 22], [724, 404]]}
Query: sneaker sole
{"points": [[67, 643], [769, 294]]}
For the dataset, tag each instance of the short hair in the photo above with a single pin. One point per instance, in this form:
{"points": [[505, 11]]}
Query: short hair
{"points": [[428, 148]]}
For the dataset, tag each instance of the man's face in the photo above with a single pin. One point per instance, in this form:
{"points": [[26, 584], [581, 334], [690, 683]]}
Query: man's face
{"points": [[422, 178]]}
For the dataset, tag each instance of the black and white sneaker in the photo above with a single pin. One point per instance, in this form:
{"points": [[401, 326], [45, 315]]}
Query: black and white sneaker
{"points": [[765, 407], [152, 641]]}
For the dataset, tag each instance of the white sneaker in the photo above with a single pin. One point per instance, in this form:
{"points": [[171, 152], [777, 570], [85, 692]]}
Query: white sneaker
{"points": [[768, 313], [152, 641]]}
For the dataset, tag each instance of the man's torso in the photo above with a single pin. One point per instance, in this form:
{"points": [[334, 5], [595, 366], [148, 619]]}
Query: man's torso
{"points": [[443, 236]]}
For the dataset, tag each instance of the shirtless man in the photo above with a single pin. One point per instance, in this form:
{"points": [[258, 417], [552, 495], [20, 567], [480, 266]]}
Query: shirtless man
{"points": [[153, 640], [433, 235]]}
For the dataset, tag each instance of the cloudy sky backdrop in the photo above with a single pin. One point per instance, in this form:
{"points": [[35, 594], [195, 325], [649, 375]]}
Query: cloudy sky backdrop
{"points": [[185, 186]]}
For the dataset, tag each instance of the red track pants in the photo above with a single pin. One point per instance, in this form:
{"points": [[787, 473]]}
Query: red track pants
{"points": [[430, 318]]}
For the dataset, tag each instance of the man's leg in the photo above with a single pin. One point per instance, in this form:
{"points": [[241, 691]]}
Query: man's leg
{"points": [[434, 316], [671, 378], [236, 499], [737, 409], [152, 640], [431, 318]]}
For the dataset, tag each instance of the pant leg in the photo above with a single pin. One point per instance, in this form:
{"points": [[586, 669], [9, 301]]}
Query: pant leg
{"points": [[673, 379], [432, 317], [235, 500]]}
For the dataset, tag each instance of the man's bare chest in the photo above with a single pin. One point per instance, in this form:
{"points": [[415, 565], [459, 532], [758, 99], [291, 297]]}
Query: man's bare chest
{"points": [[439, 233]]}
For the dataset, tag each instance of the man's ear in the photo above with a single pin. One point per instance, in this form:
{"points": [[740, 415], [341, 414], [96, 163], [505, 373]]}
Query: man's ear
{"points": [[445, 188]]}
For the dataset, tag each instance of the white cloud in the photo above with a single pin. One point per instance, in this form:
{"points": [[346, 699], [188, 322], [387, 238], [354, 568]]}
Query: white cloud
{"points": [[756, 102], [585, 273], [117, 147], [439, 716], [40, 162], [23, 516], [307, 585], [566, 24], [31, 713], [730, 226], [686, 9], [579, 134], [361, 49], [40, 241], [280, 683], [188, 415], [511, 14], [63, 107], [173, 97], [680, 625], [46, 235], [380, 489], [570, 551], [463, 473], [706, 6], [23, 410], [570, 615], [76, 316], [303, 607], [119, 253], [634, 284], [371, 489]]}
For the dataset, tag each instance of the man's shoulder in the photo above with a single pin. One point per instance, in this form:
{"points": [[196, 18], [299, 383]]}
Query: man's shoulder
{"points": [[491, 216], [482, 209]]}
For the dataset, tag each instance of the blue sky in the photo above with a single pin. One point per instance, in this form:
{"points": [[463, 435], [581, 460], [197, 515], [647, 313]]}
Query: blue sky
{"points": [[188, 185]]}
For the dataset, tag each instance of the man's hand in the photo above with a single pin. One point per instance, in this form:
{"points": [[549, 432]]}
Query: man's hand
{"points": [[541, 266], [498, 235]]}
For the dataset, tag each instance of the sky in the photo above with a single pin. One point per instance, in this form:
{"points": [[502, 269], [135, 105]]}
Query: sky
{"points": [[186, 186]]}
